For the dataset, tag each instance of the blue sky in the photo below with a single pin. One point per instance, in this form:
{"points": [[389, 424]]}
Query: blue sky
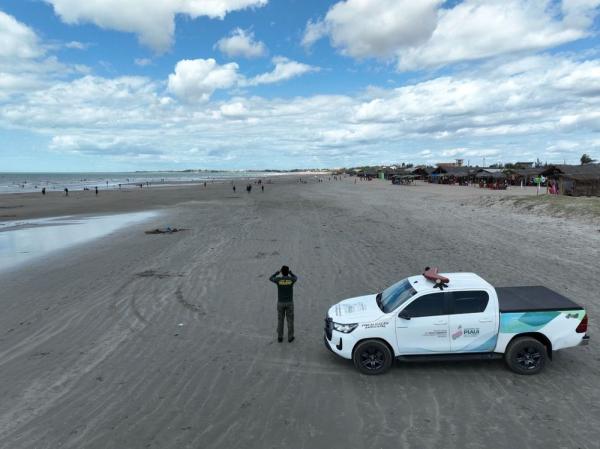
{"points": [[250, 84]]}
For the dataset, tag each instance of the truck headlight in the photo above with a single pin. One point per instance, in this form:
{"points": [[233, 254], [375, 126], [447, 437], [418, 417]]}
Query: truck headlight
{"points": [[345, 328]]}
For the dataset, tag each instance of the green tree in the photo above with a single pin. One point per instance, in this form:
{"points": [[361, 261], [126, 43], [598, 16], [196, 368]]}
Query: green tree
{"points": [[586, 159]]}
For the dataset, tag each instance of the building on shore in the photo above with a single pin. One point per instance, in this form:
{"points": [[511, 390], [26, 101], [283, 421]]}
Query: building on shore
{"points": [[524, 176], [422, 173], [445, 174], [492, 178], [575, 180]]}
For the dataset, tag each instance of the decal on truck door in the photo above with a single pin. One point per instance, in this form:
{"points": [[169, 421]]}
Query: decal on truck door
{"points": [[458, 333], [469, 337], [436, 333], [466, 332]]}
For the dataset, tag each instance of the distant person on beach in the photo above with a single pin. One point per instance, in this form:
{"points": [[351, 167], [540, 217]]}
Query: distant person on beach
{"points": [[66, 192], [205, 184], [249, 188], [96, 190], [285, 281], [233, 189], [43, 190], [262, 188]]}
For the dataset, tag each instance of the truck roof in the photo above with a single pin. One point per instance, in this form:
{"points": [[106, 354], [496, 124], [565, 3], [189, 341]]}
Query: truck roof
{"points": [[458, 281]]}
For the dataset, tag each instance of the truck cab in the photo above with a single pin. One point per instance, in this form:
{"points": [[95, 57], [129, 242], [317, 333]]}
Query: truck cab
{"points": [[418, 319]]}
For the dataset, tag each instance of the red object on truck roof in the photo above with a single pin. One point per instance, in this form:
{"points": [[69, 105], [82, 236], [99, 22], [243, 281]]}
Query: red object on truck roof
{"points": [[432, 275]]}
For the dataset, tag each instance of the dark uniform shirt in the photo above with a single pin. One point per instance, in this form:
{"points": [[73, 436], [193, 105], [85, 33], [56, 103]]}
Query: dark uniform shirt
{"points": [[285, 287]]}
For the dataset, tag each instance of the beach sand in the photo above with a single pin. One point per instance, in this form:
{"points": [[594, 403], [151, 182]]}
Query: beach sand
{"points": [[168, 341]]}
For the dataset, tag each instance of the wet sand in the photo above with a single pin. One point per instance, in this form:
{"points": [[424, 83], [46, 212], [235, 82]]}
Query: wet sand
{"points": [[168, 341]]}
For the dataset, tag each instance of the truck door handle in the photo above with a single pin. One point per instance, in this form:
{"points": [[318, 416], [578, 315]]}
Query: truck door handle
{"points": [[485, 320]]}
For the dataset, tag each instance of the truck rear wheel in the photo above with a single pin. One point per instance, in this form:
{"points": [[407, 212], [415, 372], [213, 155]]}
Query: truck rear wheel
{"points": [[372, 357], [526, 355]]}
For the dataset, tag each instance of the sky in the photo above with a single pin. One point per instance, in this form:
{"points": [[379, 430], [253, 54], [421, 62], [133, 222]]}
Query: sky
{"points": [[118, 85]]}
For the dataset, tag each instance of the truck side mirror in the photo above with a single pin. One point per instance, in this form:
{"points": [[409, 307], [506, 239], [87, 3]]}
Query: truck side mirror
{"points": [[404, 315]]}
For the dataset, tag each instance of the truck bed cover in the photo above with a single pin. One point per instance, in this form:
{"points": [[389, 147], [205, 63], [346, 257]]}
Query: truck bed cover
{"points": [[532, 299]]}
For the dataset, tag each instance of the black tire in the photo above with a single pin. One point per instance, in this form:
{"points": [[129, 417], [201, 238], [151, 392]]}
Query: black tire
{"points": [[526, 355], [372, 357]]}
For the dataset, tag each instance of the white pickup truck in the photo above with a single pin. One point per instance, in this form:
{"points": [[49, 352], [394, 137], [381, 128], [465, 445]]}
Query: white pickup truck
{"points": [[463, 317]]}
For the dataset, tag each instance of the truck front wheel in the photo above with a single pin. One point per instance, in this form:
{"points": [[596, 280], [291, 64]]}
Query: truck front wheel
{"points": [[526, 355], [372, 357]]}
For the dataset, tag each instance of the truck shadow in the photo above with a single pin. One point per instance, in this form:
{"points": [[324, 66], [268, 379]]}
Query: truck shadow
{"points": [[458, 366]]}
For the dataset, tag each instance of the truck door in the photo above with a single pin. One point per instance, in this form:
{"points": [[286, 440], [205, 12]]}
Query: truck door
{"points": [[422, 326], [473, 326]]}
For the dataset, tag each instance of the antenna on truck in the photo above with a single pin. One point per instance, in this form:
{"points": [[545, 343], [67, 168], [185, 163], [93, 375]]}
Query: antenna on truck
{"points": [[431, 274]]}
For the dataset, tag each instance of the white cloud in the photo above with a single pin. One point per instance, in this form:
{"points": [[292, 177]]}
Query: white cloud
{"points": [[142, 62], [579, 14], [315, 30], [17, 40], [235, 110], [477, 29], [24, 63], [425, 34], [285, 69], [366, 28], [197, 79], [241, 43], [76, 45], [466, 152], [521, 109], [152, 21]]}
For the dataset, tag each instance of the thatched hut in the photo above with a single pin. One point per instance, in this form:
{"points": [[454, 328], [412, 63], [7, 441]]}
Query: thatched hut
{"points": [[526, 176], [422, 173], [575, 180], [492, 178], [452, 175]]}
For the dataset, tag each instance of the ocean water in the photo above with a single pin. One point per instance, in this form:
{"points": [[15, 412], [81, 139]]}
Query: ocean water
{"points": [[26, 240], [34, 182]]}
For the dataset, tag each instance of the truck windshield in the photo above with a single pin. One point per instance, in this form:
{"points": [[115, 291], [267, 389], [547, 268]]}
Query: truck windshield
{"points": [[395, 295]]}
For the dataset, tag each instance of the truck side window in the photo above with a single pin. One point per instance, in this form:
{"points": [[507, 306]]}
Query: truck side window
{"points": [[427, 305], [470, 302]]}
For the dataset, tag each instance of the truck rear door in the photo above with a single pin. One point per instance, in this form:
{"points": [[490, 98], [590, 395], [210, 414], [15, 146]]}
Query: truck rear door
{"points": [[473, 317]]}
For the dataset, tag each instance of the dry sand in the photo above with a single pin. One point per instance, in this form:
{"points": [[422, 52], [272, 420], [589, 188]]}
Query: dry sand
{"points": [[168, 341]]}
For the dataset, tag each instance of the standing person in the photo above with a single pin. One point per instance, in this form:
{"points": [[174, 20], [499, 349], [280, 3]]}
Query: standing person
{"points": [[66, 192], [43, 190], [262, 187], [285, 281], [96, 190], [233, 189]]}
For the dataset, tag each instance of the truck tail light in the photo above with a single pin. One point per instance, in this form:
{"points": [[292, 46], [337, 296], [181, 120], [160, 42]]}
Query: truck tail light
{"points": [[582, 327]]}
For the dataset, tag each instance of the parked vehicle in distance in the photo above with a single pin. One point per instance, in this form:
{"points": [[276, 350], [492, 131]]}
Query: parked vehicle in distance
{"points": [[454, 316]]}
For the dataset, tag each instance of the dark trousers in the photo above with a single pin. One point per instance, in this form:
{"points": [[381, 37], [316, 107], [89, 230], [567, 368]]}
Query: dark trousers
{"points": [[285, 309]]}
